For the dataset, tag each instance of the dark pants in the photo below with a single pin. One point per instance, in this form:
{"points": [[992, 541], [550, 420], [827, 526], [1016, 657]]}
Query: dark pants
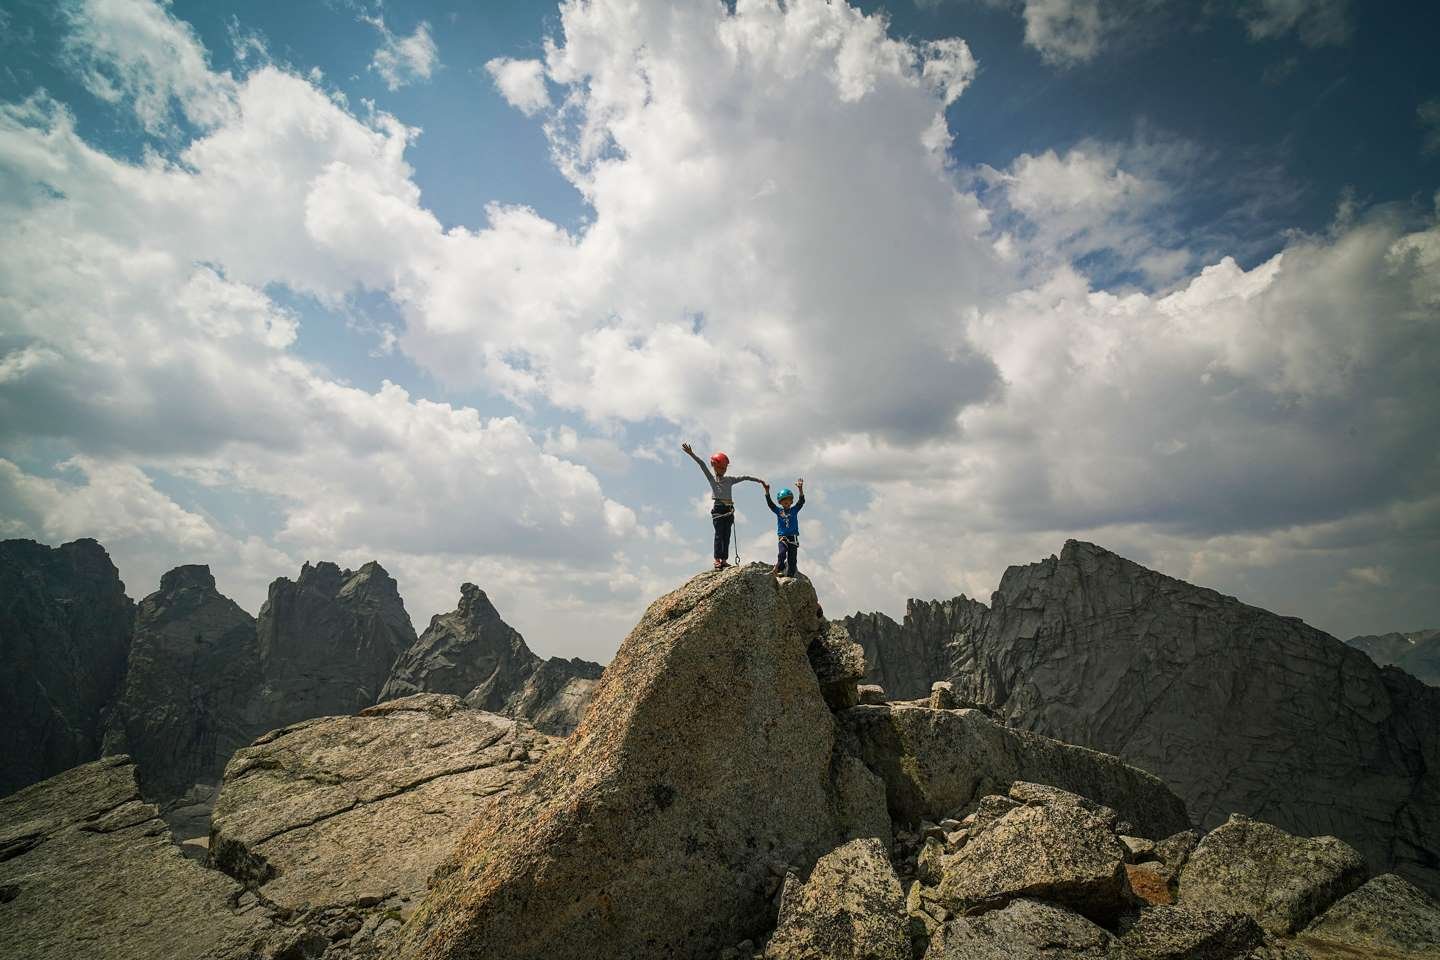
{"points": [[786, 559], [723, 516]]}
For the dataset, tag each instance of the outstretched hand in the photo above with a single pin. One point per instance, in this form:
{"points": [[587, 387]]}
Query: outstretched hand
{"points": [[687, 448], [800, 484]]}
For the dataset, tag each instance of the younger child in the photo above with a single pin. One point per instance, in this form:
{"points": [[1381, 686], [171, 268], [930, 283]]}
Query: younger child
{"points": [[722, 514], [787, 525]]}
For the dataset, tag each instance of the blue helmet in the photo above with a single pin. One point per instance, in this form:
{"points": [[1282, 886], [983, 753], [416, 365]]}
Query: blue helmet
{"points": [[784, 492]]}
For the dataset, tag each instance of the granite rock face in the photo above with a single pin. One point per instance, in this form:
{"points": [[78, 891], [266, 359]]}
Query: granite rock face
{"points": [[1024, 930], [92, 874], [472, 653], [704, 758], [906, 659], [1056, 847], [1388, 916], [1284, 882], [348, 816], [851, 908], [187, 703], [65, 627], [1417, 653], [939, 763], [1236, 708], [328, 640]]}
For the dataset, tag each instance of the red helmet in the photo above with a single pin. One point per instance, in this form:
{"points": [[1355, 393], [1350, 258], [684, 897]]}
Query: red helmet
{"points": [[720, 460]]}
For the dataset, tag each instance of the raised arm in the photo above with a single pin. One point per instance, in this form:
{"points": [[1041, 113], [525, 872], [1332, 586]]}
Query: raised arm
{"points": [[800, 485], [768, 502], [704, 468]]}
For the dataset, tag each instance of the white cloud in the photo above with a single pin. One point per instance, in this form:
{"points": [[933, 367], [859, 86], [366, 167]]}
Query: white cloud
{"points": [[402, 60], [135, 49], [521, 83], [1064, 31], [1316, 22]]}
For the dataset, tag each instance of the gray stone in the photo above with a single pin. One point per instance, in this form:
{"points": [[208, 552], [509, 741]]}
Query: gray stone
{"points": [[65, 627], [704, 756], [942, 696], [358, 811], [1244, 866], [1191, 933], [871, 693], [860, 800], [1138, 849], [851, 908], [937, 763], [93, 873], [1057, 851], [188, 701], [472, 653], [1024, 930], [1388, 916], [839, 664], [1236, 708], [328, 640]]}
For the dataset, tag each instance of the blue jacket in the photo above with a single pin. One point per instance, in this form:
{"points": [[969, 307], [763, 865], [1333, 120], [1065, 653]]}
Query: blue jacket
{"points": [[787, 524]]}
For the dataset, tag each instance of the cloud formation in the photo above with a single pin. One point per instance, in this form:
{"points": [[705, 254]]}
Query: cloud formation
{"points": [[780, 258], [401, 60]]}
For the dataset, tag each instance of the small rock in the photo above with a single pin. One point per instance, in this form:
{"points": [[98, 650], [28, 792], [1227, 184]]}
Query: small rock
{"points": [[929, 867], [1137, 849], [942, 695], [1024, 930], [1150, 882], [871, 693]]}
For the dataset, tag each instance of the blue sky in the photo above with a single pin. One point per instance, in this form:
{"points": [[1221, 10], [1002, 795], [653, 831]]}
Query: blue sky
{"points": [[444, 285]]}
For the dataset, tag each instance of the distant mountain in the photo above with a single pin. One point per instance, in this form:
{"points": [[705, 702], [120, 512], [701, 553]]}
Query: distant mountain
{"points": [[64, 638], [189, 677], [472, 653], [1237, 708], [1418, 653]]}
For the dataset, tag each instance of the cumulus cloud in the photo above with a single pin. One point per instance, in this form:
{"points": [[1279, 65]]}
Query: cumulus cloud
{"points": [[401, 59], [521, 83], [1064, 31], [778, 260]]}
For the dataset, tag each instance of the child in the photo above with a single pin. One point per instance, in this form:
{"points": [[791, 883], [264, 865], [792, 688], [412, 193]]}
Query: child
{"points": [[787, 525], [722, 514]]}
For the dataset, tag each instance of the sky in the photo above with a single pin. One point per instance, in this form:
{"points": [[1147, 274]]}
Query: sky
{"points": [[446, 285]]}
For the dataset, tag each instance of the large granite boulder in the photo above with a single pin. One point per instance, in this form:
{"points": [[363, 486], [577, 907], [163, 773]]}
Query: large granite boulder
{"points": [[1055, 846], [1388, 917], [1024, 930], [1234, 707], [650, 832], [187, 702], [355, 812], [328, 641], [1417, 653], [472, 653], [851, 908], [65, 627], [89, 872], [939, 763], [1174, 932], [1284, 882]]}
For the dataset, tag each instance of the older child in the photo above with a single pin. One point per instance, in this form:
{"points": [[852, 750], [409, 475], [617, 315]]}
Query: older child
{"points": [[722, 513], [787, 525]]}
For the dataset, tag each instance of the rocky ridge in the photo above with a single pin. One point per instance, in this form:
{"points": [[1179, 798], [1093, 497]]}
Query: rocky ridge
{"points": [[1417, 653], [1236, 708], [722, 798], [472, 653]]}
